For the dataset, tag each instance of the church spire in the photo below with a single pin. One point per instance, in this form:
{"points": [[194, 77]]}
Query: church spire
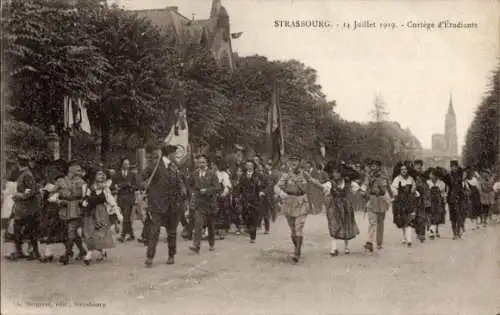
{"points": [[451, 110], [450, 131], [216, 6]]}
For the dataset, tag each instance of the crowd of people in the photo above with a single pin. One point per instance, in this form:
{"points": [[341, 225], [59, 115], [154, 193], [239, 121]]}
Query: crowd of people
{"points": [[61, 202]]}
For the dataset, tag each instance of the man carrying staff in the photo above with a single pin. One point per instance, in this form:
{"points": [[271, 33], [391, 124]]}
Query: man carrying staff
{"points": [[166, 191]]}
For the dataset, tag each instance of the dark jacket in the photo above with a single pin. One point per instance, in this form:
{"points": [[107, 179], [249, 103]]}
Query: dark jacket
{"points": [[205, 202], [127, 185], [165, 192], [27, 203], [249, 190]]}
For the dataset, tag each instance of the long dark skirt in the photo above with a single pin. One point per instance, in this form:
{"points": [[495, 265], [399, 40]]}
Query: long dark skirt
{"points": [[341, 219], [403, 208], [437, 209], [96, 229], [474, 203], [223, 219]]}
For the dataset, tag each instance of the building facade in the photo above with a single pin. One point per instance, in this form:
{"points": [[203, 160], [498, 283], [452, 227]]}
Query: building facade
{"points": [[213, 33]]}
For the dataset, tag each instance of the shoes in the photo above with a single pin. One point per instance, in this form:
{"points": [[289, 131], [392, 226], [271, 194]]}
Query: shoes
{"points": [[347, 251], [194, 249], [64, 259], [379, 247], [170, 260], [148, 263], [211, 248], [252, 241], [47, 259], [408, 244], [369, 247], [335, 253]]}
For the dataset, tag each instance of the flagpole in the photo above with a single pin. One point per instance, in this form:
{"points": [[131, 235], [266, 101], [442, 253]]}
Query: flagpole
{"points": [[70, 135]]}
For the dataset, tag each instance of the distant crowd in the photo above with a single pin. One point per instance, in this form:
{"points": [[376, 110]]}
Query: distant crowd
{"points": [[62, 202]]}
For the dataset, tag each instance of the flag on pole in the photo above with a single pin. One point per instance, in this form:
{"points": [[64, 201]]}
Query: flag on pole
{"points": [[68, 113], [82, 117], [179, 137], [236, 35], [274, 128]]}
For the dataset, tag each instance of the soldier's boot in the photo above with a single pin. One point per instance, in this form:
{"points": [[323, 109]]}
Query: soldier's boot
{"points": [[298, 247]]}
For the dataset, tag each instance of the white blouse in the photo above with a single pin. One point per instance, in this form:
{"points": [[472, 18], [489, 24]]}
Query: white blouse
{"points": [[327, 187], [225, 182], [439, 184], [404, 181], [496, 187]]}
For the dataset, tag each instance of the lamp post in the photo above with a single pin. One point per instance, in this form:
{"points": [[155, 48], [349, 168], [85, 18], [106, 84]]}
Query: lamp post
{"points": [[53, 143]]}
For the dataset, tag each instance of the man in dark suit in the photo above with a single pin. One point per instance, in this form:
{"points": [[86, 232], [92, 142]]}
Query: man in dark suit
{"points": [[126, 185], [166, 192], [205, 187]]}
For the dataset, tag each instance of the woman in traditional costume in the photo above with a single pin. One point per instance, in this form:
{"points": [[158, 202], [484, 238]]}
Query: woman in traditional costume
{"points": [[99, 204], [435, 203], [340, 212], [251, 191], [404, 192], [224, 199], [495, 210], [474, 197], [52, 229], [486, 182]]}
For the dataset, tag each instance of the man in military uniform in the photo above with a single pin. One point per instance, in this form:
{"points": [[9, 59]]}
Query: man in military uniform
{"points": [[166, 192], [68, 194]]}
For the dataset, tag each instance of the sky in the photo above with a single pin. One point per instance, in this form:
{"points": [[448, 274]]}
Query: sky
{"points": [[414, 70]]}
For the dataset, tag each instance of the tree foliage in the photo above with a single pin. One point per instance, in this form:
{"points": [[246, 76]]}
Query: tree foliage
{"points": [[482, 140], [134, 76]]}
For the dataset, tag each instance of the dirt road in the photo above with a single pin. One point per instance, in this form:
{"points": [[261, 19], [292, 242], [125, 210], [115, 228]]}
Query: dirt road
{"points": [[438, 277]]}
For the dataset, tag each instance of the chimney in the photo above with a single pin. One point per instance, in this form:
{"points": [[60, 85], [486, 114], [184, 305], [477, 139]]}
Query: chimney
{"points": [[175, 9]]}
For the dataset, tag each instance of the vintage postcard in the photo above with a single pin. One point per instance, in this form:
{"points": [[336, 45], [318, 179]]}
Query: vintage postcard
{"points": [[250, 157]]}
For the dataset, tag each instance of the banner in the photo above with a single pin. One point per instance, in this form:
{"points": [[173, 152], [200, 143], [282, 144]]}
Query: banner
{"points": [[179, 137]]}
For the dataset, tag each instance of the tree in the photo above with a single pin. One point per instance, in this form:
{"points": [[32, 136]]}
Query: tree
{"points": [[483, 136], [48, 55]]}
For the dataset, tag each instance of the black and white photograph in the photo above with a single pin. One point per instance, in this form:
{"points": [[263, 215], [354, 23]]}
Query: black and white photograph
{"points": [[278, 157]]}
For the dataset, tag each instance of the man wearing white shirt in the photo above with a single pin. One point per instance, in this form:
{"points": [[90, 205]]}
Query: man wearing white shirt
{"points": [[224, 199]]}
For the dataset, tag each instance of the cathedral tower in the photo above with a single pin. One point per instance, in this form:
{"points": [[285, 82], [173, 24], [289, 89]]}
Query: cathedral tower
{"points": [[450, 131]]}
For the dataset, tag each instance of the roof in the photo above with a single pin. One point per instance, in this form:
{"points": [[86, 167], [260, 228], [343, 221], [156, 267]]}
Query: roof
{"points": [[165, 18]]}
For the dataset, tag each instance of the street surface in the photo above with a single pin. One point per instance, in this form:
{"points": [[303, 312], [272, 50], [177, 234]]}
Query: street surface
{"points": [[438, 277]]}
